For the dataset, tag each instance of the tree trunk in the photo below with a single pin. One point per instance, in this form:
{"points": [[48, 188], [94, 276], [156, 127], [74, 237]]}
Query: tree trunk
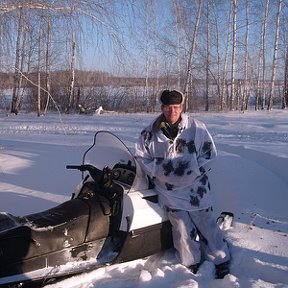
{"points": [[224, 87], [39, 69], [72, 82], [47, 60], [285, 94], [271, 96], [232, 96], [178, 64], [208, 59], [218, 77], [189, 76], [260, 88], [16, 89], [147, 57], [156, 89], [245, 88], [263, 88]]}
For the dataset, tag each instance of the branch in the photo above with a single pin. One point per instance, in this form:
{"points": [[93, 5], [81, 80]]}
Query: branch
{"points": [[43, 89]]}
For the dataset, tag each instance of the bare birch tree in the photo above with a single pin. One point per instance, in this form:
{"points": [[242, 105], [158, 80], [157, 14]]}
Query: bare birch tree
{"points": [[181, 49], [208, 52], [218, 79], [156, 48], [264, 35], [271, 96], [189, 76], [261, 78], [285, 92], [47, 63], [39, 66], [69, 13], [17, 75], [72, 77], [177, 14], [147, 66], [245, 92], [233, 60], [224, 84]]}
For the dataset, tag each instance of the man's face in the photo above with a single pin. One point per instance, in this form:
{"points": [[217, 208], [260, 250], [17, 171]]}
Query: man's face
{"points": [[172, 112]]}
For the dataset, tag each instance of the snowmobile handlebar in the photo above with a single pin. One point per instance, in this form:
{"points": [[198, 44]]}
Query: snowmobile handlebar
{"points": [[103, 178], [74, 167], [80, 167], [95, 173]]}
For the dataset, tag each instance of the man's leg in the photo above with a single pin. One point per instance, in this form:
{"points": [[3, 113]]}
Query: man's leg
{"points": [[184, 238], [214, 245]]}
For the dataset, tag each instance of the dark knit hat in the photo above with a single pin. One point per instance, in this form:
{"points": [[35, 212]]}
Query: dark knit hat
{"points": [[172, 97]]}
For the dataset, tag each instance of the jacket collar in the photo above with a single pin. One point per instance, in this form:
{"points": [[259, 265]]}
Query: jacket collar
{"points": [[156, 126]]}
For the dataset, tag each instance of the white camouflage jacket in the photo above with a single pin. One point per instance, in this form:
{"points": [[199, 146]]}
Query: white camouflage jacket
{"points": [[178, 167]]}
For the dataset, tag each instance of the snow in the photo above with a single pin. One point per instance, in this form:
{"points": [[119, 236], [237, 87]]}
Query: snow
{"points": [[249, 177]]}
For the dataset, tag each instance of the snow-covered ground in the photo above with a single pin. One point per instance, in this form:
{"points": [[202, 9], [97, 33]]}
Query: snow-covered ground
{"points": [[249, 177]]}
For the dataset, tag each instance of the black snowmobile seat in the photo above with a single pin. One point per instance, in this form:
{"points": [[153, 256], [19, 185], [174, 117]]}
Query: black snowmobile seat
{"points": [[64, 230], [44, 232], [63, 213], [51, 230]]}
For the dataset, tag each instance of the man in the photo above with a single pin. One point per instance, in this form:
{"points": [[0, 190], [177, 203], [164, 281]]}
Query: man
{"points": [[175, 151]]}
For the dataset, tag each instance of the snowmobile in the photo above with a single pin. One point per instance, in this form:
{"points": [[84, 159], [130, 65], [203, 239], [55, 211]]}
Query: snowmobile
{"points": [[112, 217]]}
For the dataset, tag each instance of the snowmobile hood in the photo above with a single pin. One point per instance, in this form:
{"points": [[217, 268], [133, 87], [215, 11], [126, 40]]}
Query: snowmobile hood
{"points": [[108, 150]]}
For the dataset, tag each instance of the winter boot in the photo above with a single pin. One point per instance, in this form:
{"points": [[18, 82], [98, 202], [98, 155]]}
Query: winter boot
{"points": [[194, 268], [222, 270]]}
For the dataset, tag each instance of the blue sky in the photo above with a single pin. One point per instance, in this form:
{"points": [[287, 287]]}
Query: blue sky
{"points": [[101, 53]]}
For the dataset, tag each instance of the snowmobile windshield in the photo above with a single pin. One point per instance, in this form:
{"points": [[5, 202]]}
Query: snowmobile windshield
{"points": [[109, 150]]}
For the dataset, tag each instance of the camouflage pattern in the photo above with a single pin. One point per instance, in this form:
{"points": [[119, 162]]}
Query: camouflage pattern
{"points": [[178, 166]]}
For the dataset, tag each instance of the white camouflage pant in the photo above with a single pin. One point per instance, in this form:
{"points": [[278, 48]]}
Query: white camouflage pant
{"points": [[186, 225]]}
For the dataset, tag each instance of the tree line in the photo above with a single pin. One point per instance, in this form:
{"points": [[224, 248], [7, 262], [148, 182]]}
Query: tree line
{"points": [[223, 54]]}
